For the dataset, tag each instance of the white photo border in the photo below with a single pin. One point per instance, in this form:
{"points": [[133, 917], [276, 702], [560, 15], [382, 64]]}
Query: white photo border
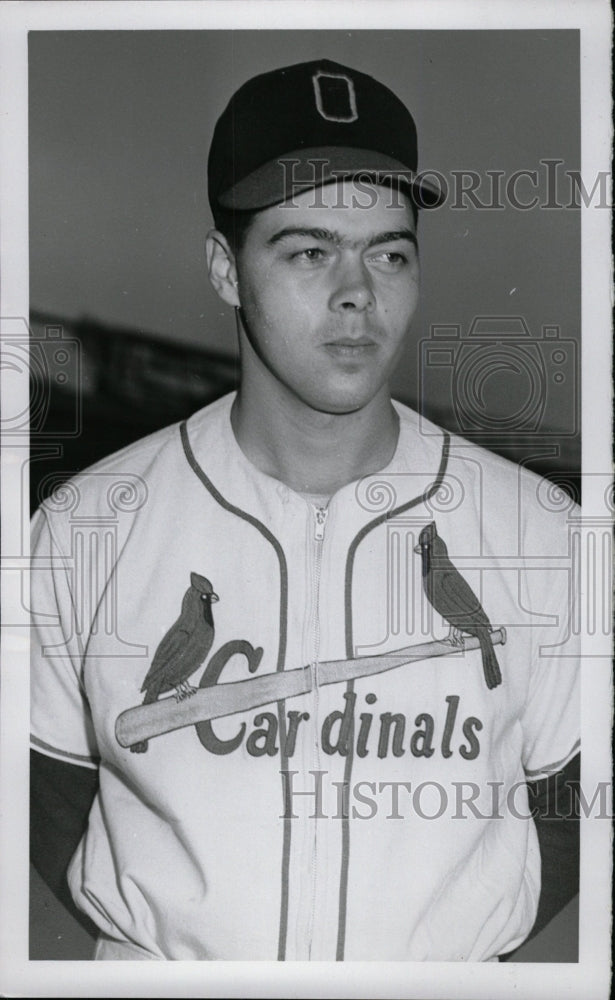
{"points": [[19, 976]]}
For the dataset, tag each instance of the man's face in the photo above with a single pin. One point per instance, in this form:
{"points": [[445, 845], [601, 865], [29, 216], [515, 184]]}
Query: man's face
{"points": [[328, 289]]}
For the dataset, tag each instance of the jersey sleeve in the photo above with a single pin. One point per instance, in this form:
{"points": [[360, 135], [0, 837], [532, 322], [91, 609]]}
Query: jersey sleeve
{"points": [[61, 723], [551, 716]]}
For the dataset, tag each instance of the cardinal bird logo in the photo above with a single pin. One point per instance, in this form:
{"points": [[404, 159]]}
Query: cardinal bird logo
{"points": [[453, 598], [183, 649]]}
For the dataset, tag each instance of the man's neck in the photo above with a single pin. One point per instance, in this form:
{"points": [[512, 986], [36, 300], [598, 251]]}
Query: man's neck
{"points": [[310, 451]]}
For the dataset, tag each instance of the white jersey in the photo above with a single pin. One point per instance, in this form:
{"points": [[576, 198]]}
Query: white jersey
{"points": [[320, 770]]}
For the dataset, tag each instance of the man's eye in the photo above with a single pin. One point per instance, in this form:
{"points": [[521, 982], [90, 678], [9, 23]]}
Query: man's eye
{"points": [[392, 258], [309, 254]]}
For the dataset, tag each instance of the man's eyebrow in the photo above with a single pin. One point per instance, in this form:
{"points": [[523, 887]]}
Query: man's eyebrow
{"points": [[392, 236], [310, 233], [330, 236]]}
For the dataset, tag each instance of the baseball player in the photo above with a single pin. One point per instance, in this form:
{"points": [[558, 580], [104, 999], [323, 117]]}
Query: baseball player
{"points": [[306, 656]]}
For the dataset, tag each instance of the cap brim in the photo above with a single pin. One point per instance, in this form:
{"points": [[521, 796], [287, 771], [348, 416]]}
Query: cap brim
{"points": [[302, 170]]}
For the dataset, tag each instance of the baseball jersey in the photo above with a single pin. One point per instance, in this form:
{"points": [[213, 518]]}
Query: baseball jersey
{"points": [[298, 760]]}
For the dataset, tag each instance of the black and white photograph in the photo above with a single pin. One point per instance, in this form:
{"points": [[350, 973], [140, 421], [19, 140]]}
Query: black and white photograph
{"points": [[307, 499]]}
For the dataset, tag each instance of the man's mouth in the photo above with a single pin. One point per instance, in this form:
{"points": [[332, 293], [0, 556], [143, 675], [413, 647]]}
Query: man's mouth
{"points": [[350, 347]]}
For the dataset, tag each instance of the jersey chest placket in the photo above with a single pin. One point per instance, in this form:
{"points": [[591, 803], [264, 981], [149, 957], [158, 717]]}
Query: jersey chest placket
{"points": [[318, 525], [313, 866]]}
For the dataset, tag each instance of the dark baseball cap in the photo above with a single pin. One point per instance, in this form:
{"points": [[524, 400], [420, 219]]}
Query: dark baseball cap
{"points": [[302, 126]]}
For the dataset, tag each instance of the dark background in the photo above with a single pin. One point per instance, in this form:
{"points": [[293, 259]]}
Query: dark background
{"points": [[128, 336], [120, 124]]}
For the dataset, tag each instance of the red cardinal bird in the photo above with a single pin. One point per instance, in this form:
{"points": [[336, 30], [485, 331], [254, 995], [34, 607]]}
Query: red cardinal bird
{"points": [[453, 598], [183, 649]]}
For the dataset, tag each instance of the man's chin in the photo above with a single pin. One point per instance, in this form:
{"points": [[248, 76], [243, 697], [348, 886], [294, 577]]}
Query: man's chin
{"points": [[343, 403]]}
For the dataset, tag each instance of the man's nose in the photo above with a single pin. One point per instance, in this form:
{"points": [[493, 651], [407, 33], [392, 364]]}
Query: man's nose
{"points": [[352, 288]]}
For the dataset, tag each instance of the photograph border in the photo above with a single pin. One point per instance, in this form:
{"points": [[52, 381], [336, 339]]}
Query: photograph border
{"points": [[589, 977]]}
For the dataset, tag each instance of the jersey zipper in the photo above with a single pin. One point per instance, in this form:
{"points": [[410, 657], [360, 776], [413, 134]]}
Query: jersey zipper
{"points": [[320, 521]]}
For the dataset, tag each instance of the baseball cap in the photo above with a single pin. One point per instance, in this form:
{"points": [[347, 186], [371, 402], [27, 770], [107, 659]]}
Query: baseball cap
{"points": [[301, 126]]}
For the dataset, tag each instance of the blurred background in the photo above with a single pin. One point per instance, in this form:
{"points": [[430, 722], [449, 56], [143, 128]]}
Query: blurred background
{"points": [[127, 336]]}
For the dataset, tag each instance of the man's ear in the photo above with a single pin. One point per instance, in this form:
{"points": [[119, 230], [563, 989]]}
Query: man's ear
{"points": [[221, 267]]}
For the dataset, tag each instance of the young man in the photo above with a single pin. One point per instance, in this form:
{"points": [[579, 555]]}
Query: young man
{"points": [[310, 645]]}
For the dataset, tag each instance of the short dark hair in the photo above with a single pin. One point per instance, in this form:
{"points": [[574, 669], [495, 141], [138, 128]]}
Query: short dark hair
{"points": [[234, 224]]}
